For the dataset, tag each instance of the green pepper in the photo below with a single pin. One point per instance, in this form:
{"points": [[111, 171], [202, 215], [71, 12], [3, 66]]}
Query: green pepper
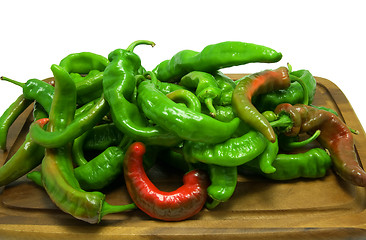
{"points": [[119, 85], [267, 157], [311, 164], [223, 184], [84, 62], [9, 116], [214, 57], [35, 89], [293, 94], [205, 86], [227, 86], [90, 87], [184, 122], [27, 157], [75, 128], [101, 170], [57, 170], [187, 98], [232, 152]]}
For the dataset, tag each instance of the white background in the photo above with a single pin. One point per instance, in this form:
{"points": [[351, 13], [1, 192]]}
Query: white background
{"points": [[326, 37]]}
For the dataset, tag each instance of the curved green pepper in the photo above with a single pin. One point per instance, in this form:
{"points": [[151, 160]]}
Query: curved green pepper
{"points": [[84, 62], [206, 88], [184, 122], [233, 152], [119, 85], [311, 164], [9, 116], [187, 98], [214, 57]]}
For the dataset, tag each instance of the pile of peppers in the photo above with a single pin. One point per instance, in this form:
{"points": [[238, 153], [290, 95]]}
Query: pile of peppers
{"points": [[103, 118]]}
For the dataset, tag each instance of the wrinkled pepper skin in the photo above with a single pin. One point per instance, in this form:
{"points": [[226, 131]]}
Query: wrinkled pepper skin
{"points": [[258, 83], [184, 122], [335, 136], [214, 57], [178, 205], [311, 164], [101, 170], [231, 153]]}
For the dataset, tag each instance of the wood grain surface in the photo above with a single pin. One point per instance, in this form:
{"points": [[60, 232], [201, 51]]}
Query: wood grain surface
{"points": [[326, 208]]}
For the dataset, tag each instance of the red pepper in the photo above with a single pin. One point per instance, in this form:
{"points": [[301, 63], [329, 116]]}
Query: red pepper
{"points": [[258, 83], [177, 205], [335, 136]]}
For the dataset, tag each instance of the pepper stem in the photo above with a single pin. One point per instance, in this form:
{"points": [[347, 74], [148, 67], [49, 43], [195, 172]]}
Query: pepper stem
{"points": [[305, 142], [107, 208], [210, 107], [12, 81], [283, 121], [138, 42]]}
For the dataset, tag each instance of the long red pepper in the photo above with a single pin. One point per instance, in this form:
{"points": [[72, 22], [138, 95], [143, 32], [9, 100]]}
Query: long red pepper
{"points": [[183, 203], [335, 136], [258, 83]]}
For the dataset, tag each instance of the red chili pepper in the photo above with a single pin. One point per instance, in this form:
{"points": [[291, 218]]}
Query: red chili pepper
{"points": [[258, 83], [335, 136], [177, 205]]}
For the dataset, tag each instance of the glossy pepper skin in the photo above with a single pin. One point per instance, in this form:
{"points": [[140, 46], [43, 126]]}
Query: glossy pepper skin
{"points": [[119, 85], [311, 164], [84, 62], [9, 116], [223, 184], [178, 205], [37, 90], [102, 170], [335, 136], [294, 94], [28, 156], [74, 129], [258, 83], [233, 152], [184, 122], [205, 87], [189, 99], [57, 170], [214, 57]]}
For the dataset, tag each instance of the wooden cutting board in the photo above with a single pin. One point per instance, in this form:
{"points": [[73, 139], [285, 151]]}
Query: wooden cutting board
{"points": [[326, 208]]}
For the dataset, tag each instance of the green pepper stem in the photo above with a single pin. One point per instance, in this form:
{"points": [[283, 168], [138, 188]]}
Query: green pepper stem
{"points": [[305, 142], [138, 42], [12, 81], [304, 88], [211, 108], [283, 121], [107, 208], [213, 204]]}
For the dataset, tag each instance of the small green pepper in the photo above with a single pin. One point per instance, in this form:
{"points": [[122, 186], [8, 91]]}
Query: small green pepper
{"points": [[205, 86]]}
